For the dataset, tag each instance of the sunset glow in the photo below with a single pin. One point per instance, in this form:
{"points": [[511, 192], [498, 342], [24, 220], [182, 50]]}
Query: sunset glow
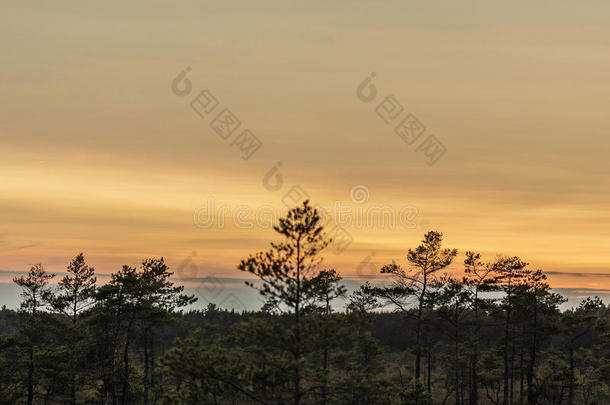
{"points": [[99, 155]]}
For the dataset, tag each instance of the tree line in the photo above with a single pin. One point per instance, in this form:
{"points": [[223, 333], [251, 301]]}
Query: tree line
{"points": [[493, 335]]}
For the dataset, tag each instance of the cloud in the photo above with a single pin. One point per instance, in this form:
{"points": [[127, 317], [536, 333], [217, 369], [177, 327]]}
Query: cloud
{"points": [[576, 274]]}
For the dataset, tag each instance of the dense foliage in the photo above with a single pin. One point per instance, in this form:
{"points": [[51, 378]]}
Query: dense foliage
{"points": [[493, 335]]}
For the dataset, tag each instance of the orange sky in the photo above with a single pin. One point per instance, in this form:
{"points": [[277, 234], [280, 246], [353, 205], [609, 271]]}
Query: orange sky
{"points": [[100, 156]]}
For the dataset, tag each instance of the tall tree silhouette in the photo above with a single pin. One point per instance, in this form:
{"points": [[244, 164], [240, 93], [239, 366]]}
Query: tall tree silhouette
{"points": [[159, 298], [36, 293], [134, 296], [286, 270], [74, 296], [539, 307], [578, 325], [452, 302], [326, 286], [480, 277], [510, 273], [117, 301], [415, 282]]}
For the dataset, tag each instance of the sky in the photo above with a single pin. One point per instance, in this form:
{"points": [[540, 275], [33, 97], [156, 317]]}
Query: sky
{"points": [[102, 151]]}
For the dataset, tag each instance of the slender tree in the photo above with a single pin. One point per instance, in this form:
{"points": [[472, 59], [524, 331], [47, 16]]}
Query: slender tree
{"points": [[538, 308], [285, 271], [480, 277], [452, 302], [577, 325], [326, 286], [36, 293], [117, 303], [137, 297], [415, 282], [363, 300], [74, 296], [509, 274], [159, 298]]}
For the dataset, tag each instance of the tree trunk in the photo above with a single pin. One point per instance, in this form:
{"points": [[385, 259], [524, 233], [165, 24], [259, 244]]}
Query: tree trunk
{"points": [[125, 371], [571, 386], [297, 356], [457, 360], [420, 311], [31, 375], [506, 362], [146, 371], [512, 373], [326, 353], [506, 340], [126, 361], [531, 395], [429, 382], [521, 377], [74, 361], [115, 349], [73, 391], [474, 392], [152, 365]]}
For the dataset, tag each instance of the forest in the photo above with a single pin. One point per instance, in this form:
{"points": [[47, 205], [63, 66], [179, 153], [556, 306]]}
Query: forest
{"points": [[492, 333]]}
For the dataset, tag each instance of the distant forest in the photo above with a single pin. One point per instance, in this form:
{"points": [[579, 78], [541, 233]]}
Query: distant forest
{"points": [[492, 335]]}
